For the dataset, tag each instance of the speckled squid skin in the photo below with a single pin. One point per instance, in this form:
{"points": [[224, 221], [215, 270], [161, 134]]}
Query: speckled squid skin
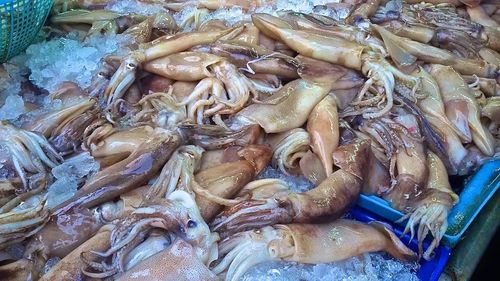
{"points": [[68, 268], [130, 173], [329, 200], [224, 180], [331, 49], [462, 108], [178, 262], [184, 66], [332, 197], [323, 127], [47, 123], [306, 243], [299, 98], [335, 241]]}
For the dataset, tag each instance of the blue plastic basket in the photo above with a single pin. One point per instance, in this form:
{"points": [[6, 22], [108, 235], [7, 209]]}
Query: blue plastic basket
{"points": [[478, 190], [20, 22], [429, 270]]}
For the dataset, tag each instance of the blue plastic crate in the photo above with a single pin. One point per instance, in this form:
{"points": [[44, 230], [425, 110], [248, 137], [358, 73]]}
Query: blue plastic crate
{"points": [[20, 22], [429, 270], [477, 191]]}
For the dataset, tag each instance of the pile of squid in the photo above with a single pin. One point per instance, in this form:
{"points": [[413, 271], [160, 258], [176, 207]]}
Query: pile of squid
{"points": [[390, 101]]}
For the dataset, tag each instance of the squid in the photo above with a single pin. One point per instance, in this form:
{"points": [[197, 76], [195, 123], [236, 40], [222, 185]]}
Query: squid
{"points": [[160, 109], [66, 235], [362, 12], [228, 90], [139, 27], [288, 148], [179, 255], [433, 108], [329, 199], [433, 207], [69, 268], [254, 59], [30, 154], [101, 21], [462, 108], [411, 193], [323, 128], [306, 243], [177, 215], [133, 171], [406, 51], [339, 51], [329, 27], [48, 123], [212, 187], [110, 147], [224, 181], [287, 109], [439, 25], [23, 221], [125, 75]]}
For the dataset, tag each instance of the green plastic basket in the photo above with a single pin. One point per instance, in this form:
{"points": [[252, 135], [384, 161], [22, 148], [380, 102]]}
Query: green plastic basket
{"points": [[20, 22]]}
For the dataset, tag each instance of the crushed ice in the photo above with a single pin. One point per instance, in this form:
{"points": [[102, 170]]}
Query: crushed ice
{"points": [[296, 183], [12, 75], [12, 108], [368, 267], [234, 15], [69, 175], [134, 6], [69, 59]]}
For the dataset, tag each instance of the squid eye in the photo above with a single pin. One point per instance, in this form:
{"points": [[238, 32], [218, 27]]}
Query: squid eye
{"points": [[191, 224], [131, 65]]}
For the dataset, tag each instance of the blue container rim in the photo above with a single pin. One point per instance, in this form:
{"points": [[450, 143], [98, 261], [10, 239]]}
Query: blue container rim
{"points": [[480, 179], [430, 270]]}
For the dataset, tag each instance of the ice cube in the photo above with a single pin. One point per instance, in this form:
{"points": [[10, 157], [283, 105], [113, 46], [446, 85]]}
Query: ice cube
{"points": [[12, 108], [76, 167], [134, 6], [69, 175], [355, 268], [68, 59], [296, 183], [61, 190], [11, 76]]}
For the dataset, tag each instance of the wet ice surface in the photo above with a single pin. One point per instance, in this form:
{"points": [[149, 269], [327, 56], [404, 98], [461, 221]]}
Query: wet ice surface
{"points": [[375, 266], [5, 155], [231, 15], [69, 175], [234, 15], [296, 183], [11, 77], [69, 59], [50, 263], [134, 6], [12, 108]]}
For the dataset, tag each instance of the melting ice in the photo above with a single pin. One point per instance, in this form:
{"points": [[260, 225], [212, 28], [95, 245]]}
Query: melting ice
{"points": [[69, 175], [369, 267]]}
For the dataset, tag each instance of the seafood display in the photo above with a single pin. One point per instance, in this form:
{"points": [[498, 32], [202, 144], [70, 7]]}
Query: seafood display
{"points": [[155, 168]]}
